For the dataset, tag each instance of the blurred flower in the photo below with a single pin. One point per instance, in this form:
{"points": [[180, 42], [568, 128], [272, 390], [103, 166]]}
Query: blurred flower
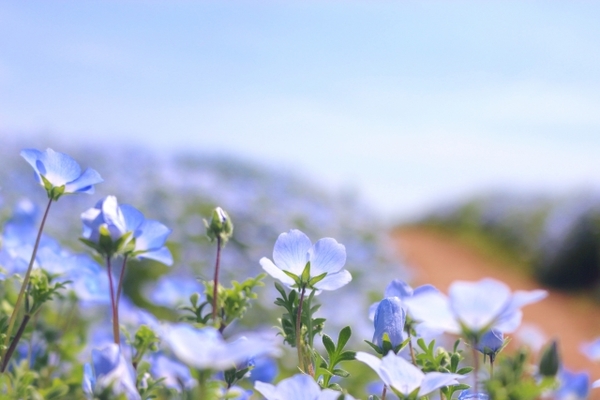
{"points": [[297, 387], [404, 377], [389, 319], [172, 291], [206, 349], [110, 370], [591, 349], [60, 174], [294, 254], [469, 395], [573, 385], [175, 374], [402, 290], [264, 369], [490, 344], [531, 336]]}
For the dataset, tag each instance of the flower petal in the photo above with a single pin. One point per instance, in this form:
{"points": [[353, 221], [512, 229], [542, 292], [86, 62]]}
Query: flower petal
{"points": [[435, 380], [133, 217], [334, 281], [84, 183], [275, 272], [400, 374], [327, 255], [151, 235], [162, 255], [291, 251], [59, 167], [433, 310]]}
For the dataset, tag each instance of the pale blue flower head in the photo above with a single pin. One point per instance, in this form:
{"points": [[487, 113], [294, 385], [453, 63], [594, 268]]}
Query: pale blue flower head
{"points": [[573, 386], [110, 370], [389, 320], [60, 174], [591, 349], [300, 263], [297, 387], [402, 290], [404, 377], [470, 395], [490, 343], [111, 229]]}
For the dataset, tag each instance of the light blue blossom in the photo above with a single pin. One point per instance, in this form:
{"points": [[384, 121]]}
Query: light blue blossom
{"points": [[591, 349], [206, 349], [110, 370], [60, 174], [490, 344], [470, 395], [294, 253], [573, 385], [402, 290], [404, 377], [389, 319], [264, 369], [175, 375], [297, 387]]}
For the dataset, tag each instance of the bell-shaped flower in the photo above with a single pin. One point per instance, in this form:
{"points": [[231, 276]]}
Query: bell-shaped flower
{"points": [[60, 174], [205, 349], [112, 229], [298, 263], [490, 344], [297, 387], [110, 371], [404, 377], [389, 324], [473, 308]]}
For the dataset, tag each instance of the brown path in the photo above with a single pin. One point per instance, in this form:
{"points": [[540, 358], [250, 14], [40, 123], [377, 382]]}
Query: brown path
{"points": [[440, 259]]}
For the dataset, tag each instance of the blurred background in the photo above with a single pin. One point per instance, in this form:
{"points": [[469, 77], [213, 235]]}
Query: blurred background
{"points": [[475, 120]]}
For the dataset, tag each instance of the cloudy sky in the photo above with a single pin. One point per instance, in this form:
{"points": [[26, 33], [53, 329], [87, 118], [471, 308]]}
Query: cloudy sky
{"points": [[408, 103]]}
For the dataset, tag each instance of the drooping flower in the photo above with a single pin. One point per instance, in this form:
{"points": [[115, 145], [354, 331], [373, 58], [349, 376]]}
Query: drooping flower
{"points": [[473, 308], [111, 229], [490, 344], [404, 377], [206, 349], [110, 370], [300, 263], [297, 387], [389, 320], [60, 174]]}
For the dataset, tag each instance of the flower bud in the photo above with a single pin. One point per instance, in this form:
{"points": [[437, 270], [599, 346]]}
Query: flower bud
{"points": [[220, 225], [550, 361]]}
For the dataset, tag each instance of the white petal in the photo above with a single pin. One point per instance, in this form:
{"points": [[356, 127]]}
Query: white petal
{"points": [[327, 255], [275, 272], [478, 304], [291, 251], [334, 281]]}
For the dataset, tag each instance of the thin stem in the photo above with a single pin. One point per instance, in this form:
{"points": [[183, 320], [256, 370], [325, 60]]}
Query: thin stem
{"points": [[13, 316], [475, 367], [383, 392], [299, 331], [13, 344], [120, 285], [115, 310], [412, 351], [216, 280], [491, 368]]}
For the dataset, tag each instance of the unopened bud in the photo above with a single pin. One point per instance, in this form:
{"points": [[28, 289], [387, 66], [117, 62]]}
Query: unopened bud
{"points": [[220, 225], [550, 361]]}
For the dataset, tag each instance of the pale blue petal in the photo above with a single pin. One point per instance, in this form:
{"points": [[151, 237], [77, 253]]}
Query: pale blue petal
{"points": [[268, 391], [298, 387], [371, 361], [89, 381], [591, 349], [59, 168], [198, 348], [436, 380], [400, 374], [424, 289], [509, 322], [105, 360], [510, 317], [31, 156], [275, 272], [133, 217], [478, 304], [334, 281], [113, 217], [162, 255], [398, 288], [327, 255], [432, 309], [151, 235], [291, 251], [372, 309], [84, 183], [390, 319]]}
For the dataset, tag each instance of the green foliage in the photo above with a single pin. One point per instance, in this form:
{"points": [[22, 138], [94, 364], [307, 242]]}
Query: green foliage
{"points": [[145, 340], [42, 289], [327, 367]]}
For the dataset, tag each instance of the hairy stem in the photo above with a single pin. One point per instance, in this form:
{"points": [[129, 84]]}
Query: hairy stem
{"points": [[25, 284], [412, 351], [114, 306], [216, 281]]}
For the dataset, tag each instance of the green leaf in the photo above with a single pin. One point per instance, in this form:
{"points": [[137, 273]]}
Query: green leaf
{"points": [[343, 338], [329, 346]]}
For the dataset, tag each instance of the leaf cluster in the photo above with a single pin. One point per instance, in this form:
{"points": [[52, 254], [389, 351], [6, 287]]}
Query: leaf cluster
{"points": [[312, 326], [328, 367]]}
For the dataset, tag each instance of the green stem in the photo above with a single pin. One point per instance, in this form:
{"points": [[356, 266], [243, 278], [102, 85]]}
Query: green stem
{"points": [[475, 367], [216, 282], [115, 309], [299, 332], [13, 316], [412, 351], [120, 286], [15, 341]]}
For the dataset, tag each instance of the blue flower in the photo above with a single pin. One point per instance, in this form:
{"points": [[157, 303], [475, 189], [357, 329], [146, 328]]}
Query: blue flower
{"points": [[113, 229], [470, 395], [402, 290], [295, 255], [490, 344], [60, 174], [573, 386], [404, 377], [297, 387], [110, 370], [389, 319], [591, 349]]}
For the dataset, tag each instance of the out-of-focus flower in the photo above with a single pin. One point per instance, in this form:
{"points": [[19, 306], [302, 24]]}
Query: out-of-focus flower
{"points": [[473, 308], [591, 349], [389, 319], [531, 336], [113, 229], [175, 374], [264, 369], [402, 290], [404, 377], [490, 344], [573, 385], [205, 348], [110, 370], [469, 395], [298, 263], [60, 174], [297, 387]]}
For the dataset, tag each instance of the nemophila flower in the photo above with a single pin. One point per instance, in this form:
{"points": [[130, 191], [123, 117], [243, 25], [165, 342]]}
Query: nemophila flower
{"points": [[297, 387], [205, 349], [490, 343], [175, 375], [473, 308], [402, 290], [60, 174], [470, 395], [110, 371], [591, 349], [299, 263], [389, 323], [573, 385], [111, 229], [264, 369], [404, 377]]}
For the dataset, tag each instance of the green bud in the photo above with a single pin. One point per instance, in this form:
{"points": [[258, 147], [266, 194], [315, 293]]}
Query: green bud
{"points": [[220, 225], [550, 361]]}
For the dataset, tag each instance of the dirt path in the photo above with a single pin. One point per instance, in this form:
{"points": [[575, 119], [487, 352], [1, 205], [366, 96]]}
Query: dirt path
{"points": [[439, 259]]}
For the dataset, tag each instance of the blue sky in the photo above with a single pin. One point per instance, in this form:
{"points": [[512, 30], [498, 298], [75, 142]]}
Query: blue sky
{"points": [[409, 103]]}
